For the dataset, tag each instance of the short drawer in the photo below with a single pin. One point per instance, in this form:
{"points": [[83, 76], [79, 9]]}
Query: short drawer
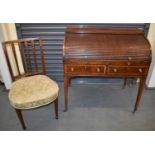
{"points": [[126, 70], [135, 63], [129, 63]]}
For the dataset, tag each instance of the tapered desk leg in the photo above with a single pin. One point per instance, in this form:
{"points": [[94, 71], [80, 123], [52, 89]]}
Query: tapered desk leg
{"points": [[66, 81], [140, 91]]}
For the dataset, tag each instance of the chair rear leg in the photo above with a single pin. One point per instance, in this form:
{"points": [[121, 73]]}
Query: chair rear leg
{"points": [[19, 114], [56, 108], [125, 82]]}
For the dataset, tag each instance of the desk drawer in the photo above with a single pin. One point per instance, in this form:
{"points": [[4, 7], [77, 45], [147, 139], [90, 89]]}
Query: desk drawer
{"points": [[126, 70], [85, 69]]}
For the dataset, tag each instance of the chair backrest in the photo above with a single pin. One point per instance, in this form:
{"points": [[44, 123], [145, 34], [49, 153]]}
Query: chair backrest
{"points": [[24, 57]]}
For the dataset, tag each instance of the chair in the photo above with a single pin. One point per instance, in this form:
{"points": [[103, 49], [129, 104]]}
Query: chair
{"points": [[31, 88]]}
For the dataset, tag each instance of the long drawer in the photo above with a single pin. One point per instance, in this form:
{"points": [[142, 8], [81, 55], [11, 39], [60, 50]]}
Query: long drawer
{"points": [[85, 69], [127, 70]]}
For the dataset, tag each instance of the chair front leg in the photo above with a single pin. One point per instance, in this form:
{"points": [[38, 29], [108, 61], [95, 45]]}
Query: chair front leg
{"points": [[19, 114], [56, 108]]}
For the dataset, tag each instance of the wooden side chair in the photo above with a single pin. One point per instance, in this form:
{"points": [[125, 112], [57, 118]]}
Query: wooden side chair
{"points": [[31, 88]]}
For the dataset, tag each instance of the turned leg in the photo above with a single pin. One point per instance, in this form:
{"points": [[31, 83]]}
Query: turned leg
{"points": [[56, 108], [125, 82], [19, 114], [66, 82], [140, 91]]}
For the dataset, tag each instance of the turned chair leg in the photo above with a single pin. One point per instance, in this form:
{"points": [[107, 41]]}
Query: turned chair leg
{"points": [[56, 108], [19, 114]]}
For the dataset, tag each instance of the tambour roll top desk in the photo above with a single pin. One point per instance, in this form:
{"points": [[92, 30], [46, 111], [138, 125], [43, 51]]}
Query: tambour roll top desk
{"points": [[115, 52]]}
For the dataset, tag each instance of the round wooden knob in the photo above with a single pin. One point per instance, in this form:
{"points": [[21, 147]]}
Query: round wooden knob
{"points": [[140, 70], [72, 69], [98, 70], [129, 63], [130, 58], [115, 70]]}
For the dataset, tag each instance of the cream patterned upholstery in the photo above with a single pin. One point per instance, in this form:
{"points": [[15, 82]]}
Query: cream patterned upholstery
{"points": [[34, 91]]}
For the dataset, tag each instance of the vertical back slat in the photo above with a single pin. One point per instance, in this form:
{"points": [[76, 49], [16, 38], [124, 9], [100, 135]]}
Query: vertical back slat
{"points": [[21, 53], [34, 55], [28, 55], [42, 56], [8, 61], [15, 56]]}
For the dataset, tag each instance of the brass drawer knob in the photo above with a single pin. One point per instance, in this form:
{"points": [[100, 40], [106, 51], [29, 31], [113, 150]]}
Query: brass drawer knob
{"points": [[72, 69], [140, 70], [98, 70], [115, 70], [130, 58], [129, 63]]}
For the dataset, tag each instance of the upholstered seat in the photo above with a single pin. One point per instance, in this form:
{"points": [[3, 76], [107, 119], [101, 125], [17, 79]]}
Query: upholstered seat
{"points": [[32, 92]]}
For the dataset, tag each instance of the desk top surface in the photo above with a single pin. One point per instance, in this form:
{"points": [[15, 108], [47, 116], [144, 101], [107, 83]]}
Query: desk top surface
{"points": [[105, 43]]}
